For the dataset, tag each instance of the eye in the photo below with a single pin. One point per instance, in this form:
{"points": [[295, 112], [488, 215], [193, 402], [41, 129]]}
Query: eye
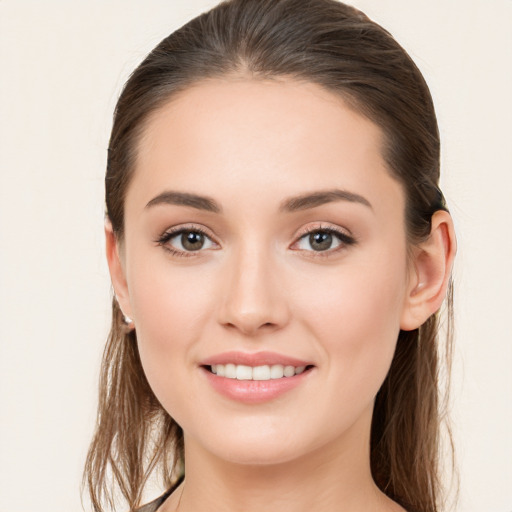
{"points": [[323, 240], [183, 241]]}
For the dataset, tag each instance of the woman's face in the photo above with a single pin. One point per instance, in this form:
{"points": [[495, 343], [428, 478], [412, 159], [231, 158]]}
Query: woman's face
{"points": [[264, 240]]}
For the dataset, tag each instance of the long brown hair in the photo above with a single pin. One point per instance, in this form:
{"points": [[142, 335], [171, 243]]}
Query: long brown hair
{"points": [[336, 46]]}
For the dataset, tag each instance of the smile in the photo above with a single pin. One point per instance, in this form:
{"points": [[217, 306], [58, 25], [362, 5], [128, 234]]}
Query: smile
{"points": [[264, 372], [255, 378]]}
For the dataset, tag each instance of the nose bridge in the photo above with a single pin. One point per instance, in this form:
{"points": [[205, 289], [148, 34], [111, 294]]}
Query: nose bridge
{"points": [[253, 296]]}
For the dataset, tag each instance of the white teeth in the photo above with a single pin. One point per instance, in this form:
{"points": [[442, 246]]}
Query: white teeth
{"points": [[265, 372], [230, 371], [289, 371], [243, 372], [261, 373], [277, 371]]}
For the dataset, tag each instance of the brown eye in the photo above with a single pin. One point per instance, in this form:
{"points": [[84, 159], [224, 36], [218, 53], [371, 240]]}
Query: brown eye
{"points": [[320, 241], [192, 240], [186, 241], [324, 240]]}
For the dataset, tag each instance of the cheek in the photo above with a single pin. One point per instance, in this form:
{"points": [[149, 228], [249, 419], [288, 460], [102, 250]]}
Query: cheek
{"points": [[170, 307], [355, 314], [168, 298]]}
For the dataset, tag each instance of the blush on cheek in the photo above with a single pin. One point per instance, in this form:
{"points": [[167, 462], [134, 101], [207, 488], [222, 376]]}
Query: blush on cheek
{"points": [[170, 313], [358, 320]]}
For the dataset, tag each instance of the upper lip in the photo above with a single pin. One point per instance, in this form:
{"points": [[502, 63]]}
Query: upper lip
{"points": [[254, 359]]}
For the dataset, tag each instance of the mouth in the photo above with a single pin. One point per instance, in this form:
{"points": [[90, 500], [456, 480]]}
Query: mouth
{"points": [[256, 373], [255, 378]]}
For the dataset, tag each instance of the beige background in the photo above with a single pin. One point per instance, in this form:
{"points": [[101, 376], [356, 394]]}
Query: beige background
{"points": [[61, 67]]}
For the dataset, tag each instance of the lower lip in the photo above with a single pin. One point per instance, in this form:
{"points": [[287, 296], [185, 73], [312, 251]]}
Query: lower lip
{"points": [[254, 391]]}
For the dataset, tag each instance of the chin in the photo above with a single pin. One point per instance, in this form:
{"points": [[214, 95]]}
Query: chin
{"points": [[254, 453], [261, 443]]}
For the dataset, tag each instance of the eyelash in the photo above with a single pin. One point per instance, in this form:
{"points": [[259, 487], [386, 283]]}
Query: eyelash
{"points": [[344, 239], [164, 239]]}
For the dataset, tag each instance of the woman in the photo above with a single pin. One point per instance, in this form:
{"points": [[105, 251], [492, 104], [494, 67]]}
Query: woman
{"points": [[279, 249]]}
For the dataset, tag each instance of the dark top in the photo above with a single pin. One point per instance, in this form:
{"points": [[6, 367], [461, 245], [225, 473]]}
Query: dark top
{"points": [[155, 504]]}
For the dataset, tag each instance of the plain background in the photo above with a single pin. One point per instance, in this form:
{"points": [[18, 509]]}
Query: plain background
{"points": [[61, 68]]}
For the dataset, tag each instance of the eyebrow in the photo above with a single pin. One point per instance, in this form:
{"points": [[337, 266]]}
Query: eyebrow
{"points": [[186, 199], [314, 199], [293, 204]]}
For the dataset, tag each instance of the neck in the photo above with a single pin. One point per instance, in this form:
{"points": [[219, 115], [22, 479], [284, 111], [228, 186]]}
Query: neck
{"points": [[331, 478]]}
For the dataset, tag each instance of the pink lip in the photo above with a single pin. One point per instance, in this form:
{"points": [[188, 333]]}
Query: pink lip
{"points": [[254, 359], [254, 391]]}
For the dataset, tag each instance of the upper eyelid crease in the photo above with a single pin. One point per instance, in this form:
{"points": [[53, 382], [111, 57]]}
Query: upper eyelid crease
{"points": [[176, 230], [164, 239], [341, 234], [323, 226]]}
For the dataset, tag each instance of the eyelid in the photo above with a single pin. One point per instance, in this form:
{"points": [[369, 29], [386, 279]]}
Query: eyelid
{"points": [[174, 231], [344, 236], [323, 226]]}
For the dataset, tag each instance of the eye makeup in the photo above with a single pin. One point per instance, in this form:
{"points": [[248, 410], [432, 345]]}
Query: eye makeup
{"points": [[193, 239], [324, 241], [318, 240]]}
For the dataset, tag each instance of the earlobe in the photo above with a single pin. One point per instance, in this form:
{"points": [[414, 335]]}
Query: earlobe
{"points": [[117, 273], [430, 272]]}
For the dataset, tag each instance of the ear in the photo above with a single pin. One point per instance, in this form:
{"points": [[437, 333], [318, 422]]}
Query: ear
{"points": [[116, 268], [430, 272]]}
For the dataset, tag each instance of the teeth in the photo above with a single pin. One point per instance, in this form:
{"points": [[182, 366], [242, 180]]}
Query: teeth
{"points": [[243, 372], [261, 373], [265, 372], [289, 371], [230, 371], [277, 371]]}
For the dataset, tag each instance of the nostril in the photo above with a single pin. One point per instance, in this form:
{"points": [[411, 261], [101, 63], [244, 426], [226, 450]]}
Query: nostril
{"points": [[250, 326]]}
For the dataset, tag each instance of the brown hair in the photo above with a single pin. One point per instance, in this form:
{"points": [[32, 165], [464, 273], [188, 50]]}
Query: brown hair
{"points": [[336, 46]]}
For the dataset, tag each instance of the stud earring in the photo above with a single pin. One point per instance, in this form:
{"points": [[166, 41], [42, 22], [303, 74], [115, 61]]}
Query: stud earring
{"points": [[128, 323]]}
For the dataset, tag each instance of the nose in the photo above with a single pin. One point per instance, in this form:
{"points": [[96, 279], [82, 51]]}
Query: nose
{"points": [[254, 298]]}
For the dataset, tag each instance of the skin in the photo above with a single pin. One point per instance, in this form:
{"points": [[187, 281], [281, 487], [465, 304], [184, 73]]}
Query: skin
{"points": [[258, 284]]}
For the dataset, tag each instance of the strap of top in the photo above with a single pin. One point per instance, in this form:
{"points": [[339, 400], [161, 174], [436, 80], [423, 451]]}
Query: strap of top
{"points": [[155, 504]]}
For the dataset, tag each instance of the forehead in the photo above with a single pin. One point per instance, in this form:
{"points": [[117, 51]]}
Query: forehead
{"points": [[278, 135]]}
